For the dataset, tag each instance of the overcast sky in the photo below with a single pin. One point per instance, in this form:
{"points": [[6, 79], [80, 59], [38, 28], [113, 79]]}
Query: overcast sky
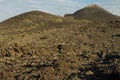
{"points": [[10, 8]]}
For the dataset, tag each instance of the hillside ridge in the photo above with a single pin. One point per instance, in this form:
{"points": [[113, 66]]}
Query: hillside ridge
{"points": [[93, 12]]}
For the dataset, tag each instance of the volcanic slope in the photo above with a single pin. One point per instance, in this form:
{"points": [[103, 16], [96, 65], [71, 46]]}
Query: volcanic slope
{"points": [[29, 22], [32, 18], [70, 50], [93, 12]]}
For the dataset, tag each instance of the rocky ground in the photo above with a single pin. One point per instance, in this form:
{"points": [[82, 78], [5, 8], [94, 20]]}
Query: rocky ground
{"points": [[81, 50]]}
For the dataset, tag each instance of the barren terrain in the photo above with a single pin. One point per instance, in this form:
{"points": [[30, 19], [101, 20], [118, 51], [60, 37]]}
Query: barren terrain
{"points": [[61, 48]]}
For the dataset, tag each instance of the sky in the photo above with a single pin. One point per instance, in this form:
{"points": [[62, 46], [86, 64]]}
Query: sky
{"points": [[10, 8]]}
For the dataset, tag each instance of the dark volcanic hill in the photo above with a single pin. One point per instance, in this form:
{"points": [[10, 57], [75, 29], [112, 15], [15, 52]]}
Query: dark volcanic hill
{"points": [[93, 12], [30, 18]]}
